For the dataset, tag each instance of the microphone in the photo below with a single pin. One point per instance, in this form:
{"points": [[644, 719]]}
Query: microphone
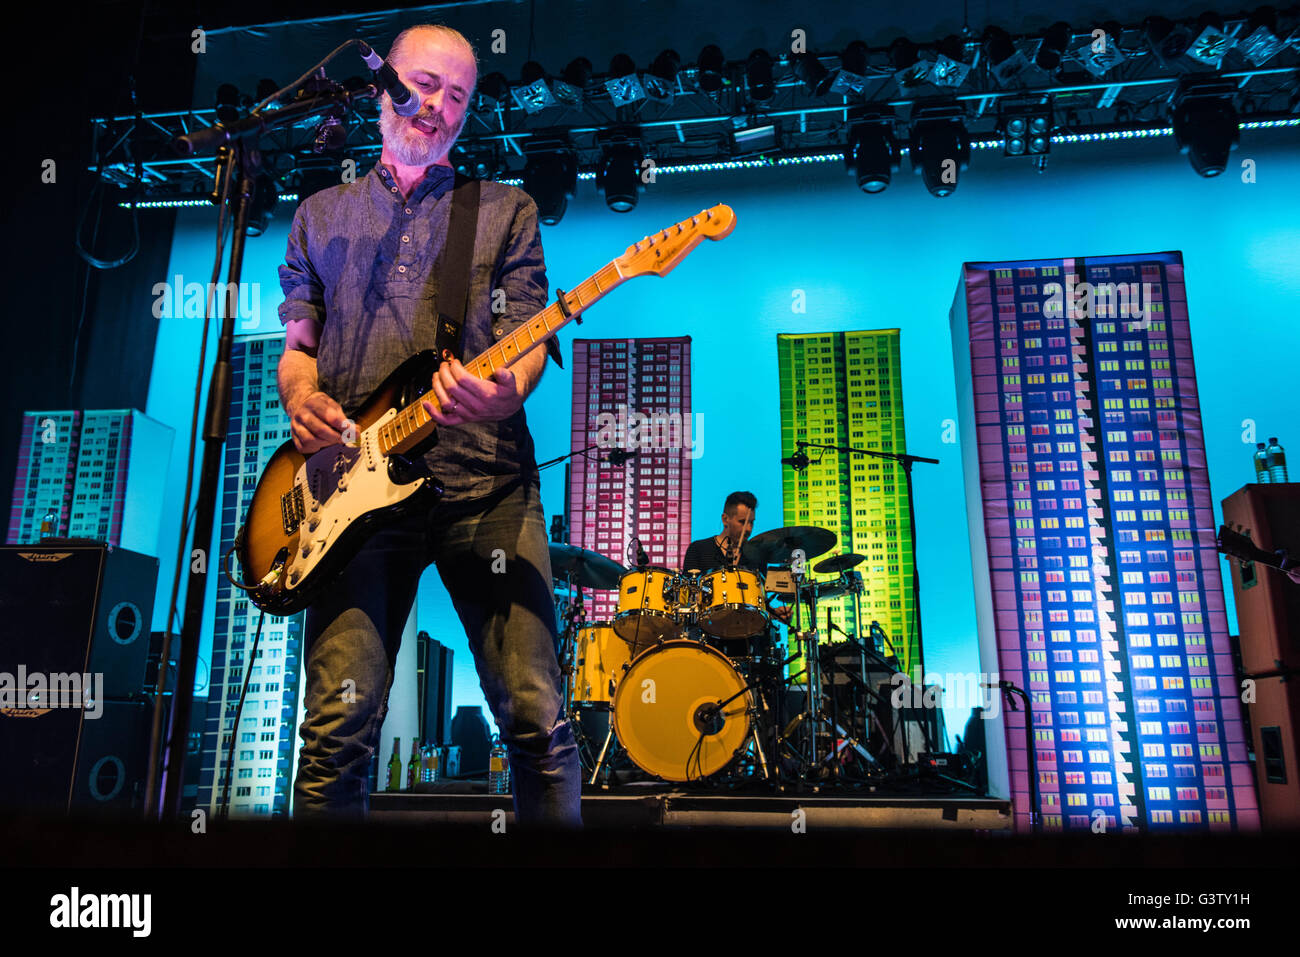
{"points": [[709, 719], [404, 103], [619, 456], [799, 461]]}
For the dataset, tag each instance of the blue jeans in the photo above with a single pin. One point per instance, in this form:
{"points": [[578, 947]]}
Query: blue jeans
{"points": [[492, 557]]}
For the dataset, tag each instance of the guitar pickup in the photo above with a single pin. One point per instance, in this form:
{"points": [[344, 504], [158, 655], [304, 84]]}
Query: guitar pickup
{"points": [[292, 509]]}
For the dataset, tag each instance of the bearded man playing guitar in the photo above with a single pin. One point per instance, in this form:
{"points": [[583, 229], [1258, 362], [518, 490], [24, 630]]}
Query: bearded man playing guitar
{"points": [[360, 279]]}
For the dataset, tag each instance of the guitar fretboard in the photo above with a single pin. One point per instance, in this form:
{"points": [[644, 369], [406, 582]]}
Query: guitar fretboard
{"points": [[413, 424]]}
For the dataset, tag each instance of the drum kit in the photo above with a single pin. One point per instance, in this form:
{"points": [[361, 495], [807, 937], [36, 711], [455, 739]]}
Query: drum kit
{"points": [[687, 681]]}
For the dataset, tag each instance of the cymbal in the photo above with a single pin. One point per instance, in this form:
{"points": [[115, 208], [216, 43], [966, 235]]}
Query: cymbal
{"points": [[839, 563], [590, 569], [776, 546]]}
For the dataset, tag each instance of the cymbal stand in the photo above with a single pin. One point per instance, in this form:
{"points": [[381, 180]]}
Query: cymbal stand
{"points": [[814, 703], [574, 618]]}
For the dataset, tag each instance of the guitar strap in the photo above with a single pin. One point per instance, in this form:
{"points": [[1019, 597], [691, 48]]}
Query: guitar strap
{"points": [[454, 265], [454, 269]]}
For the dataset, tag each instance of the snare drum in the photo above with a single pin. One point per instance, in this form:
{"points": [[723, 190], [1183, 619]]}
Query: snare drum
{"points": [[601, 657], [732, 603], [647, 606], [663, 714]]}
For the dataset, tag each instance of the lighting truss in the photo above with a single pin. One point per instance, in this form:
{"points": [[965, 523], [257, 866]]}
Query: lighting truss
{"points": [[1120, 88]]}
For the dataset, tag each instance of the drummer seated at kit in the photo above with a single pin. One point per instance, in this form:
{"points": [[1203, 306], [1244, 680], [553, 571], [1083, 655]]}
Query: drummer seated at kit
{"points": [[730, 548]]}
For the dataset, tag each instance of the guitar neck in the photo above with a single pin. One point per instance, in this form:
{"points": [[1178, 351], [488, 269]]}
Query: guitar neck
{"points": [[413, 424], [1242, 548]]}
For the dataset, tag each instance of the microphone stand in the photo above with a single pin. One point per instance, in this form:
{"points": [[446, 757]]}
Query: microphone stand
{"points": [[241, 161], [906, 461]]}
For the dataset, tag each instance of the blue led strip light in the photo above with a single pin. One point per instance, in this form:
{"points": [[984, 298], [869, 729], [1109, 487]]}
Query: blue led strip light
{"points": [[833, 156]]}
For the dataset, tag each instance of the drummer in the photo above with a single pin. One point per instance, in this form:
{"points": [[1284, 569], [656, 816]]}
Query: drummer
{"points": [[727, 549], [730, 548]]}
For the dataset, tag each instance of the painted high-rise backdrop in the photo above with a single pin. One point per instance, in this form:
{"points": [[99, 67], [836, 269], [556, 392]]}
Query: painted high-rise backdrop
{"points": [[846, 389], [97, 473], [632, 394], [267, 733], [1093, 544]]}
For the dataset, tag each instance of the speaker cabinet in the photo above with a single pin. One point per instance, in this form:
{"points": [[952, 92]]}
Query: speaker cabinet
{"points": [[74, 722]]}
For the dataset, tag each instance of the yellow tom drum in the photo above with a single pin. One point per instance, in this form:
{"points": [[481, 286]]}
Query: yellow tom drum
{"points": [[647, 606], [732, 603]]}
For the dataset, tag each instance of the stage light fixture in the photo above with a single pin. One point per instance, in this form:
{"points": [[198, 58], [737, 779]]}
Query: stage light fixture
{"points": [[660, 81], [573, 82], [816, 78], [1100, 55], [1052, 47], [1205, 124], [1167, 40], [1026, 128], [495, 88], [751, 139], [940, 148], [852, 74], [534, 93], [1006, 61], [265, 196], [624, 86], [619, 175], [227, 103], [551, 179], [331, 136], [910, 71], [1211, 43], [950, 68], [266, 87], [1260, 42], [480, 162], [872, 154], [758, 76], [709, 67]]}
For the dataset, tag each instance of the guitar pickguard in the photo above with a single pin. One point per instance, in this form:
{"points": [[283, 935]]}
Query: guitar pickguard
{"points": [[342, 486]]}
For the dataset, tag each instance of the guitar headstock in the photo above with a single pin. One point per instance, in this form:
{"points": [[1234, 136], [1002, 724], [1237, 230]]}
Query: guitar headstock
{"points": [[659, 252]]}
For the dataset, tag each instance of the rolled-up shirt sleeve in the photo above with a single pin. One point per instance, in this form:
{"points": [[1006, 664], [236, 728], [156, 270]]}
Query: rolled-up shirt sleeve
{"points": [[521, 273], [304, 296]]}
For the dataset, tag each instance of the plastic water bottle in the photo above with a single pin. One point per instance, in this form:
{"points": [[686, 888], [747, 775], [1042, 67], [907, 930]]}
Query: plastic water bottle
{"points": [[1276, 461], [498, 768], [429, 764], [1261, 463]]}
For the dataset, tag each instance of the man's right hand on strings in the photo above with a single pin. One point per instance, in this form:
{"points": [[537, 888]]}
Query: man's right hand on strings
{"points": [[317, 422]]}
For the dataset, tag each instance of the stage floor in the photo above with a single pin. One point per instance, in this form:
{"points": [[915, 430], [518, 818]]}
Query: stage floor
{"points": [[667, 806]]}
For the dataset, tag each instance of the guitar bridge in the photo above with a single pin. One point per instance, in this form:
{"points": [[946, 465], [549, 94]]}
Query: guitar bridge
{"points": [[292, 509]]}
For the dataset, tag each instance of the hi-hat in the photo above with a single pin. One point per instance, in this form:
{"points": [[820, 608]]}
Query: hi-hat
{"points": [[589, 569], [840, 563]]}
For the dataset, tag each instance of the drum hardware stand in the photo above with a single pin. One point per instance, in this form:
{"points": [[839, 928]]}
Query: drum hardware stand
{"points": [[604, 750], [575, 617], [906, 462], [815, 705]]}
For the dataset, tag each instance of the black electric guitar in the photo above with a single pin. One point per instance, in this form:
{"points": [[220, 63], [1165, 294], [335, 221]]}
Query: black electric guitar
{"points": [[310, 514], [1237, 545]]}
